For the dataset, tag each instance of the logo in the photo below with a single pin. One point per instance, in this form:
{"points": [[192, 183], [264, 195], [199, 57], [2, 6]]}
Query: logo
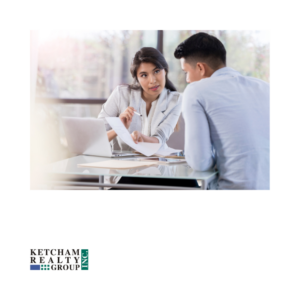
{"points": [[59, 259], [84, 259]]}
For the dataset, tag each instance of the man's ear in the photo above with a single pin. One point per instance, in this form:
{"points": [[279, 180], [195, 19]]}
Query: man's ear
{"points": [[202, 68]]}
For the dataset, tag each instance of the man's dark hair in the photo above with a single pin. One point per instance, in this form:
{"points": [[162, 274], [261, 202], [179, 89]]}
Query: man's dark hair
{"points": [[202, 47]]}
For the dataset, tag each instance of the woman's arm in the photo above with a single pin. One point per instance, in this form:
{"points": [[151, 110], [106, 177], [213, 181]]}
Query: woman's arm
{"points": [[110, 108], [126, 119], [139, 137], [111, 134], [164, 130], [150, 139]]}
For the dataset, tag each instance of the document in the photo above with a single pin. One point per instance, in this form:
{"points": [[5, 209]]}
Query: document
{"points": [[147, 149], [166, 152]]}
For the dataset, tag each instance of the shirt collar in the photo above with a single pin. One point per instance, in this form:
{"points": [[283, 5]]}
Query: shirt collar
{"points": [[224, 71], [161, 104], [160, 100]]}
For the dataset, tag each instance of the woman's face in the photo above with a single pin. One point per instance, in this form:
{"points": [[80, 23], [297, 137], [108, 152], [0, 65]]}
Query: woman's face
{"points": [[151, 79]]}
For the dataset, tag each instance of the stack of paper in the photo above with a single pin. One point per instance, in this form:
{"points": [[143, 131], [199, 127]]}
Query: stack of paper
{"points": [[118, 164], [166, 151]]}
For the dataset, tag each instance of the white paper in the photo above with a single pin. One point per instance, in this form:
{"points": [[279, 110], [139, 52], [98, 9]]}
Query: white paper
{"points": [[147, 149], [166, 151]]}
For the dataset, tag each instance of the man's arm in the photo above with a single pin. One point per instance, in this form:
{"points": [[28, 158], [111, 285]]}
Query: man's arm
{"points": [[198, 146]]}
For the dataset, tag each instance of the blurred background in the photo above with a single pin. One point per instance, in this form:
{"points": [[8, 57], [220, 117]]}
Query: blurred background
{"points": [[74, 72]]}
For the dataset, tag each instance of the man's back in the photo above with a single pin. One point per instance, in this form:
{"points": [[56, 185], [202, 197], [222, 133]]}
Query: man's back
{"points": [[235, 109]]}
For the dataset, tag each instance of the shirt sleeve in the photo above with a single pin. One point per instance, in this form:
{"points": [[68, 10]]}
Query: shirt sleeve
{"points": [[166, 127], [110, 108], [198, 147]]}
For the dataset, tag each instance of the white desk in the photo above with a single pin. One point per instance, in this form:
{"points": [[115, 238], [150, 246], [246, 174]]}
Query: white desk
{"points": [[66, 172]]}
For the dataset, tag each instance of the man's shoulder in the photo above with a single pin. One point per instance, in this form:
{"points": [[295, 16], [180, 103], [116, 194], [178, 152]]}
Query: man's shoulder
{"points": [[212, 83], [256, 80], [199, 87]]}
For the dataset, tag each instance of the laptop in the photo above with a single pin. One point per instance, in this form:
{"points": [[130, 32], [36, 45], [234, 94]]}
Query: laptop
{"points": [[87, 136]]}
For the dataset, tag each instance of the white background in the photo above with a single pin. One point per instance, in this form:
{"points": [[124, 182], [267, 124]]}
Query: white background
{"points": [[152, 245]]}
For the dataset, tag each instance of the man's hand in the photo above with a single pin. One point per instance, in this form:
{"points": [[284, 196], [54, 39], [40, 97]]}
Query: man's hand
{"points": [[137, 137], [126, 116]]}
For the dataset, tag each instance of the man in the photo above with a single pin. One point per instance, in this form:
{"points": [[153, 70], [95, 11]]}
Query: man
{"points": [[226, 116]]}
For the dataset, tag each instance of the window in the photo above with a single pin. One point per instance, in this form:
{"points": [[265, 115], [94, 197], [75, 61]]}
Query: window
{"points": [[247, 52], [90, 64], [87, 64]]}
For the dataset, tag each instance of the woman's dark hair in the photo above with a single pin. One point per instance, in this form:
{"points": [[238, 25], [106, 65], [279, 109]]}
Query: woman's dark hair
{"points": [[202, 47], [149, 55]]}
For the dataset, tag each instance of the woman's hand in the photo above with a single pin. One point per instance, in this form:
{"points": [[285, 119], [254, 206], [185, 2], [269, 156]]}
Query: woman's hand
{"points": [[126, 116], [137, 137]]}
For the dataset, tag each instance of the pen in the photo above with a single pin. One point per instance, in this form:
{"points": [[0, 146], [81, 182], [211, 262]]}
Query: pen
{"points": [[137, 114]]}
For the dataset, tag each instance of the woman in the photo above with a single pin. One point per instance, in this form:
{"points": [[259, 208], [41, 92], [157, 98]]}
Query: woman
{"points": [[152, 95]]}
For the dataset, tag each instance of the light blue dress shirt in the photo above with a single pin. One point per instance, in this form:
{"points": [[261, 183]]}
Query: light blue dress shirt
{"points": [[227, 124]]}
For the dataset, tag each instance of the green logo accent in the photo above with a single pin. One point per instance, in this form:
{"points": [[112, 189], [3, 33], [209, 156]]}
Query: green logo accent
{"points": [[84, 259], [45, 267]]}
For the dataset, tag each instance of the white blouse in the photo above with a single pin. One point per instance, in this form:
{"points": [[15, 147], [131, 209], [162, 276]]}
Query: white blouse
{"points": [[146, 120], [159, 123]]}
